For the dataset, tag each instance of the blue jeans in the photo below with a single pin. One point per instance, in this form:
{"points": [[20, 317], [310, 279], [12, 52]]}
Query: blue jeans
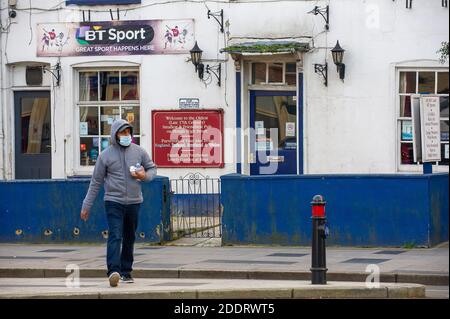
{"points": [[122, 224]]}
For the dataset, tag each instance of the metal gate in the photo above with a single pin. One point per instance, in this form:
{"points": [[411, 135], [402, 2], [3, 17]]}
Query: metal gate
{"points": [[195, 209]]}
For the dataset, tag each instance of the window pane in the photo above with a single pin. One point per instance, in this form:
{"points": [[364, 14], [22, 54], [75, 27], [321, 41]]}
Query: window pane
{"points": [[258, 73], [130, 85], [276, 73], [291, 67], [275, 112], [407, 134], [426, 82], [291, 79], [35, 125], [444, 106], [88, 150], [442, 83], [88, 121], [444, 130], [407, 153], [405, 106], [109, 86], [108, 114], [407, 82], [136, 140], [88, 86], [131, 115], [444, 154]]}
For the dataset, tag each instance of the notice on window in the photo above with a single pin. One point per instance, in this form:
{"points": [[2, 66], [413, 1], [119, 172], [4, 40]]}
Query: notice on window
{"points": [[264, 144], [446, 151], [431, 129], [83, 128], [259, 128], [290, 129]]}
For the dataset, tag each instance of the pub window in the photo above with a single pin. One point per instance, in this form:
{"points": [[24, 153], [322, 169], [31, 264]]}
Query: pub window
{"points": [[273, 73], [105, 96], [422, 82]]}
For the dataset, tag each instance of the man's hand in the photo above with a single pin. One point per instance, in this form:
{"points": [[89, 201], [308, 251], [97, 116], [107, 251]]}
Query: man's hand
{"points": [[139, 174], [84, 214]]}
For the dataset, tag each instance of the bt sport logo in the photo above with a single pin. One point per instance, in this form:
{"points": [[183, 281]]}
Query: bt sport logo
{"points": [[127, 35]]}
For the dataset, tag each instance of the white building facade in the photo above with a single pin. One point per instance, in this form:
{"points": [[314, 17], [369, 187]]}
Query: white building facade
{"points": [[270, 54]]}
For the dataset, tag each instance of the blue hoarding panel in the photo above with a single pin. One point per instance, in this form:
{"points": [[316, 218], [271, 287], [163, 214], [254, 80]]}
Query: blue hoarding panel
{"points": [[362, 210], [29, 208]]}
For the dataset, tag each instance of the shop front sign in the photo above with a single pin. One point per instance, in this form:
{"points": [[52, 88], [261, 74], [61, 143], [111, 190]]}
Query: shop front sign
{"points": [[138, 37]]}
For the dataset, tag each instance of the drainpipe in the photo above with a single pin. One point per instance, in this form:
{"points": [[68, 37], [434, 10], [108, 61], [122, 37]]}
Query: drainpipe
{"points": [[2, 105]]}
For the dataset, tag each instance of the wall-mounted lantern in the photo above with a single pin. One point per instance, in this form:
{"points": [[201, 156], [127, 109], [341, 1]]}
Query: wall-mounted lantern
{"points": [[338, 57], [196, 58]]}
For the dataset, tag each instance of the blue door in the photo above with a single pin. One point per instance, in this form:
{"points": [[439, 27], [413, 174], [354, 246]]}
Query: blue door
{"points": [[273, 142]]}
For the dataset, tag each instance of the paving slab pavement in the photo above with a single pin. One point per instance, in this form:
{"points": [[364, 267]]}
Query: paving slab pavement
{"points": [[423, 266], [162, 288]]}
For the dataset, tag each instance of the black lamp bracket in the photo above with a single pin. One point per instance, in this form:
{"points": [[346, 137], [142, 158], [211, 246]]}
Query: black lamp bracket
{"points": [[216, 15], [216, 70], [111, 14], [323, 70], [56, 72], [324, 12]]}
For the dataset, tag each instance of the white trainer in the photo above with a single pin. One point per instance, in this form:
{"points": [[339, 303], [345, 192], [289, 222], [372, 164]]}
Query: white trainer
{"points": [[114, 279]]}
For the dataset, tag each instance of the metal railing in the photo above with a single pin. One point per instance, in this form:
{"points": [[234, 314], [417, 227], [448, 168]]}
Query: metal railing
{"points": [[195, 207]]}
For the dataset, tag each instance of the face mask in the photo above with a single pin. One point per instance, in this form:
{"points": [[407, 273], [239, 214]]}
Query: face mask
{"points": [[125, 140]]}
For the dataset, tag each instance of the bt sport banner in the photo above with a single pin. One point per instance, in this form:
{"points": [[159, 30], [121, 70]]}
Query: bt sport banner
{"points": [[115, 38]]}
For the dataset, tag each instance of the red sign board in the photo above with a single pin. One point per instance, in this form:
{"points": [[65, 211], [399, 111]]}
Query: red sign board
{"points": [[187, 138]]}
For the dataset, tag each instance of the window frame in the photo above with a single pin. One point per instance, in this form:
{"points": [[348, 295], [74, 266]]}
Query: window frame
{"points": [[88, 169], [267, 83], [419, 166]]}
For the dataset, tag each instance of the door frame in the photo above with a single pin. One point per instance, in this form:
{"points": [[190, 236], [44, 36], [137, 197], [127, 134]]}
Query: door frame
{"points": [[16, 146], [299, 121]]}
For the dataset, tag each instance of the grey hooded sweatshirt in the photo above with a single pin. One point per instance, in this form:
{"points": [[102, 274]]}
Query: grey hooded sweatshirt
{"points": [[113, 169]]}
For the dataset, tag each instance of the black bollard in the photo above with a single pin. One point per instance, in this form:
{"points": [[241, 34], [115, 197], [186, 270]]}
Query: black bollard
{"points": [[319, 234]]}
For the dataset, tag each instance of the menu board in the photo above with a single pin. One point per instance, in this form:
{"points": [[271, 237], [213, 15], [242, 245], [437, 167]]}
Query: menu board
{"points": [[430, 127]]}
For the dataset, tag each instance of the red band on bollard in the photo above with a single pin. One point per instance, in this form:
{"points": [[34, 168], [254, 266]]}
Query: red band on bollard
{"points": [[318, 210]]}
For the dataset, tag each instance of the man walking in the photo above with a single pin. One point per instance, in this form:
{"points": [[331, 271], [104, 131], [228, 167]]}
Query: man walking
{"points": [[121, 167]]}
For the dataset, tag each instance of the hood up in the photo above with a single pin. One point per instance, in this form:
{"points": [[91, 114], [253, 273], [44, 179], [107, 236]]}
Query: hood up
{"points": [[116, 127]]}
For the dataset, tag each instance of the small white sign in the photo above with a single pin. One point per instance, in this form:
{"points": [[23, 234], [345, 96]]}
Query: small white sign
{"points": [[431, 128], [446, 151], [189, 103], [83, 128], [275, 159], [259, 128], [290, 129]]}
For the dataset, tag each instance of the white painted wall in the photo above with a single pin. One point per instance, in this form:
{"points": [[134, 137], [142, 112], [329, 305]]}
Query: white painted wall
{"points": [[349, 127]]}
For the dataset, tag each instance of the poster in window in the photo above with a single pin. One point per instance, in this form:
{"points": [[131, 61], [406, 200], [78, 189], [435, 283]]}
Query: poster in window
{"points": [[130, 117], [407, 131]]}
